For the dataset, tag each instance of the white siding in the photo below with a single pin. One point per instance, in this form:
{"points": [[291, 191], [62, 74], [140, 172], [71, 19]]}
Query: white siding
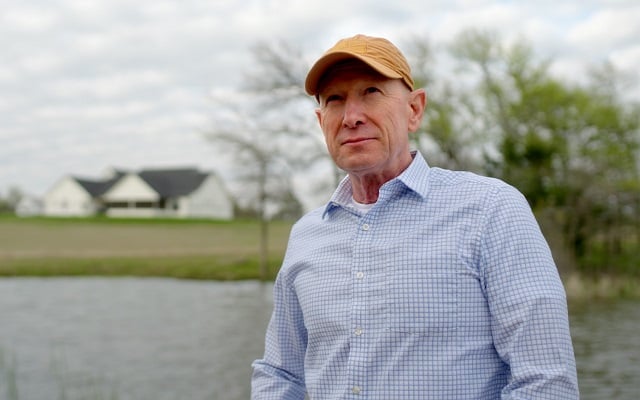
{"points": [[131, 189], [68, 198], [210, 200]]}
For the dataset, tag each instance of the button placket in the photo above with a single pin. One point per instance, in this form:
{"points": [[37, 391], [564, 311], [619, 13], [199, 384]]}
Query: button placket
{"points": [[361, 299]]}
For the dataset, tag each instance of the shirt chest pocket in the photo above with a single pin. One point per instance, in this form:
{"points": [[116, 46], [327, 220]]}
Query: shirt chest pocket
{"points": [[423, 299]]}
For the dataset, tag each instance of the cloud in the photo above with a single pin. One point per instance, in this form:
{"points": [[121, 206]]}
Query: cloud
{"points": [[85, 85], [607, 29], [28, 19], [126, 83]]}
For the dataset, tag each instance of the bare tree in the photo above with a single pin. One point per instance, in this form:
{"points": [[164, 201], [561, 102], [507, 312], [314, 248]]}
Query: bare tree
{"points": [[277, 82], [262, 176], [269, 127]]}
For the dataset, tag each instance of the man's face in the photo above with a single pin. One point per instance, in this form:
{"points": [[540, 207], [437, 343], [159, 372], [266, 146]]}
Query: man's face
{"points": [[366, 119]]}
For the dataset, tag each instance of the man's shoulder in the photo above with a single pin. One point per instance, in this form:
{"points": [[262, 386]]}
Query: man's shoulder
{"points": [[446, 177], [458, 187], [309, 218]]}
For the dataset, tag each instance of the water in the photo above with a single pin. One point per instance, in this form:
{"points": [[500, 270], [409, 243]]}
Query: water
{"points": [[607, 346], [140, 339], [130, 338]]}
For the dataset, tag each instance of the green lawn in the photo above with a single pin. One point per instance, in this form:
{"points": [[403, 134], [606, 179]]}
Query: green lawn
{"points": [[198, 249]]}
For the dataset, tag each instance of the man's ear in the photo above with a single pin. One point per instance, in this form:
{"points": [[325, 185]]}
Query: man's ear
{"points": [[417, 103], [319, 116]]}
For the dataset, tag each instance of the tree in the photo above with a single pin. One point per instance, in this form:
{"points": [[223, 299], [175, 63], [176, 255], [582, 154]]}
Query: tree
{"points": [[258, 168], [9, 203], [447, 135], [269, 127], [571, 150], [276, 83]]}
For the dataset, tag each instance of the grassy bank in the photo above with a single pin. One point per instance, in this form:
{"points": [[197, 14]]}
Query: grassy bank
{"points": [[583, 288], [190, 249], [194, 249]]}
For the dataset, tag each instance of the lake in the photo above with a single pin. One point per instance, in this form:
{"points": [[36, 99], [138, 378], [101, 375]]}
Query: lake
{"points": [[138, 339]]}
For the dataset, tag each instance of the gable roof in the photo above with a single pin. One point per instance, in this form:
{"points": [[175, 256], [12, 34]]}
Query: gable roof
{"points": [[98, 188], [173, 182]]}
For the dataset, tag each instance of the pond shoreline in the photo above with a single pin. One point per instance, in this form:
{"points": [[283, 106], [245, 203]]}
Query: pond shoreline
{"points": [[581, 288]]}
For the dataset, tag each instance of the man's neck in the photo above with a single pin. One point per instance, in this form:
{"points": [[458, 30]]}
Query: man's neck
{"points": [[365, 187]]}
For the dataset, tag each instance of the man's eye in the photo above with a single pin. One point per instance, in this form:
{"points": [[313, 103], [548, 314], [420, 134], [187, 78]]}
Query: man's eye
{"points": [[331, 98], [372, 89]]}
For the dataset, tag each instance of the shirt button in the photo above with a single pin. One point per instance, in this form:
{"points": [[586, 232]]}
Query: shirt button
{"points": [[365, 227], [359, 274], [358, 331], [356, 390]]}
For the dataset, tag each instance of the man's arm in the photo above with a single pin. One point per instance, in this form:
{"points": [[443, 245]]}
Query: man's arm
{"points": [[527, 303], [279, 375]]}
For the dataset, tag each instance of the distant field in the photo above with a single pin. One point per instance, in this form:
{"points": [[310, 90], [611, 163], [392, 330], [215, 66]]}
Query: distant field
{"points": [[186, 249]]}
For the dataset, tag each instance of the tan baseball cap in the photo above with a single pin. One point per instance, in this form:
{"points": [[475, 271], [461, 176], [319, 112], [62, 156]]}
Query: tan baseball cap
{"points": [[380, 54]]}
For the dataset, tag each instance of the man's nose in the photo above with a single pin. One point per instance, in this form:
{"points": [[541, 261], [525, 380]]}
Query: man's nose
{"points": [[353, 113]]}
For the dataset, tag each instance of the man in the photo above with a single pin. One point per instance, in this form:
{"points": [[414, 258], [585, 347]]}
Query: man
{"points": [[412, 282]]}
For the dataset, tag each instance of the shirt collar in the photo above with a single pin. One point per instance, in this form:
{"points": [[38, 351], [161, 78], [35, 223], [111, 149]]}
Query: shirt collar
{"points": [[412, 178]]}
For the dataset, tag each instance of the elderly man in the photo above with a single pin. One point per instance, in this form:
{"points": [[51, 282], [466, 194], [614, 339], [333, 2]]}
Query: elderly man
{"points": [[412, 282]]}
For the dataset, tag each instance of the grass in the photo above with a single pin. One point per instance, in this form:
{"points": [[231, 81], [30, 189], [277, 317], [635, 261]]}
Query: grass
{"points": [[582, 288], [193, 249]]}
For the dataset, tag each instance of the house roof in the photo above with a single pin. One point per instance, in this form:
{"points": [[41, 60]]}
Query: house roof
{"points": [[98, 188], [173, 182]]}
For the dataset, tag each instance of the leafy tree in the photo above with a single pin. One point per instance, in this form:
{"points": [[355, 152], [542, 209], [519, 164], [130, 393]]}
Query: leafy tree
{"points": [[571, 150], [447, 135]]}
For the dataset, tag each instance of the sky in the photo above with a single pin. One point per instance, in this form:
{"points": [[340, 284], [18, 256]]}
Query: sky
{"points": [[90, 85]]}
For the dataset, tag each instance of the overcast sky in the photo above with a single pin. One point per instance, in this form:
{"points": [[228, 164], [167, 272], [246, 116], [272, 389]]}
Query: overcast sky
{"points": [[86, 85]]}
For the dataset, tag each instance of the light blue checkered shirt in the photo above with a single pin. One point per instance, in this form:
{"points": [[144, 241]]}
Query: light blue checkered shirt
{"points": [[445, 289]]}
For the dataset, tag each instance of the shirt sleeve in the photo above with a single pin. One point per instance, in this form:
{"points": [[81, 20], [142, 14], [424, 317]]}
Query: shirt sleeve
{"points": [[279, 375], [527, 303]]}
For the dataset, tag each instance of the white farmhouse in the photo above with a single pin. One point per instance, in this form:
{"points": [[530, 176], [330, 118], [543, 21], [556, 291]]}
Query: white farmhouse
{"points": [[76, 197], [181, 193]]}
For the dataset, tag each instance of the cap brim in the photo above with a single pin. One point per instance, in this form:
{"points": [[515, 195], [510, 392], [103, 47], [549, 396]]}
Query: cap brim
{"points": [[325, 62]]}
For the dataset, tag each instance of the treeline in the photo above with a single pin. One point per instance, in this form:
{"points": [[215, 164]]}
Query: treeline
{"points": [[572, 147]]}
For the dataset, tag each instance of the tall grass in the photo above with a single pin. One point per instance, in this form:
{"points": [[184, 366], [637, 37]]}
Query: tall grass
{"points": [[8, 376], [65, 383]]}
